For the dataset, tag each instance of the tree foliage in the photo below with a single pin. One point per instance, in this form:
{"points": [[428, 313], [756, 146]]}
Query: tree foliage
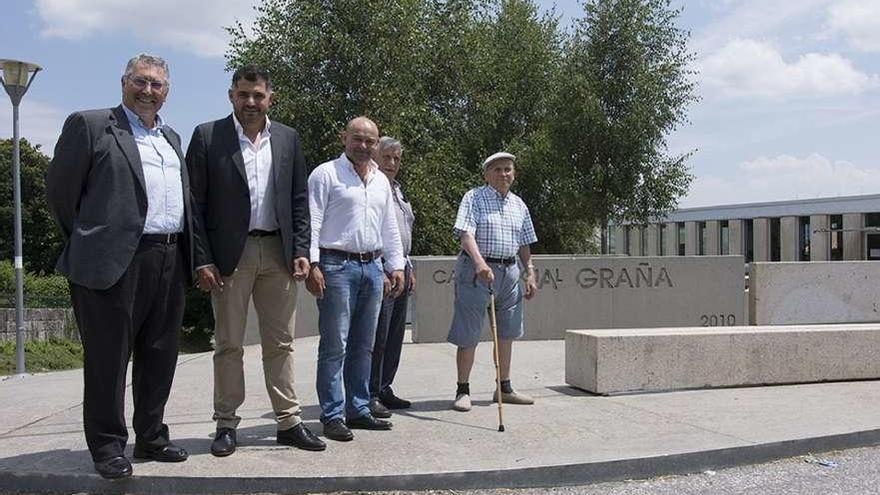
{"points": [[625, 85], [41, 240], [456, 80]]}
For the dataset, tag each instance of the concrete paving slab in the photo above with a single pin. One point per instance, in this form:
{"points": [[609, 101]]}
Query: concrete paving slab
{"points": [[568, 436]]}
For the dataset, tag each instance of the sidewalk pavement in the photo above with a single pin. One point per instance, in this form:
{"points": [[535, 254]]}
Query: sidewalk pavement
{"points": [[567, 437]]}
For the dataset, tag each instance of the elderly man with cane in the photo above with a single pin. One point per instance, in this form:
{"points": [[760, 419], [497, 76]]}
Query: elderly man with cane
{"points": [[494, 228]]}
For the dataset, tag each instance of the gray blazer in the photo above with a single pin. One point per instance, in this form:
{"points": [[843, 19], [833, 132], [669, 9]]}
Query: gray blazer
{"points": [[96, 192], [220, 191]]}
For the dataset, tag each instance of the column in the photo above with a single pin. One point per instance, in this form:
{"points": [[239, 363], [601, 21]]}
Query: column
{"points": [[620, 240], [635, 240], [788, 239], [820, 242], [690, 239], [761, 235], [713, 237], [735, 236], [671, 239], [653, 232], [853, 236]]}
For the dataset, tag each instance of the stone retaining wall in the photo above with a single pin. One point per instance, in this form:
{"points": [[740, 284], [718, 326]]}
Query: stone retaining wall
{"points": [[39, 324]]}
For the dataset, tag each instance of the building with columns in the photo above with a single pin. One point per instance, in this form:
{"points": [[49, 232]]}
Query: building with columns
{"points": [[821, 229]]}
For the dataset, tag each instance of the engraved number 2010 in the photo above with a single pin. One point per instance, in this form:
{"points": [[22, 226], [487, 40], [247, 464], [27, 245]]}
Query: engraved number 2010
{"points": [[718, 320]]}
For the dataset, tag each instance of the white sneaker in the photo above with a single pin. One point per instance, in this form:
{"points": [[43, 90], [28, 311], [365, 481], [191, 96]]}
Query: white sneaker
{"points": [[513, 398], [462, 403]]}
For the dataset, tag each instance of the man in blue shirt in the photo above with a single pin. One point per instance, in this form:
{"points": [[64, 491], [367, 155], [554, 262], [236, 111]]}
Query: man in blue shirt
{"points": [[494, 228]]}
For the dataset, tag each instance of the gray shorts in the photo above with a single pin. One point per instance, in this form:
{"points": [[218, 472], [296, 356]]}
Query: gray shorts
{"points": [[472, 302]]}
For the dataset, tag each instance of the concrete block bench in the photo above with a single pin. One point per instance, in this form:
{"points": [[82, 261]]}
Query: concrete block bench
{"points": [[660, 359]]}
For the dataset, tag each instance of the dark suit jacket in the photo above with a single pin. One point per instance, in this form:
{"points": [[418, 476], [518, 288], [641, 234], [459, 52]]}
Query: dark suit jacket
{"points": [[96, 191], [220, 191]]}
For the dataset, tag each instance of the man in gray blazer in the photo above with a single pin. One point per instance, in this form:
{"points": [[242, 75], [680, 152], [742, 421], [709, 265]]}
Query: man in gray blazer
{"points": [[248, 179], [119, 190]]}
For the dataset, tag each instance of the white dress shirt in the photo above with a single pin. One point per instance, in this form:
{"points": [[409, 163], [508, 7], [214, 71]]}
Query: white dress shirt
{"points": [[162, 179], [353, 215], [257, 157]]}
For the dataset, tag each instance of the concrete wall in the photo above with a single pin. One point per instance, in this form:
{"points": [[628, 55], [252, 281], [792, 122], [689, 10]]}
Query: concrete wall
{"points": [[39, 324], [643, 360], [853, 245], [788, 238], [820, 242], [598, 292], [814, 292]]}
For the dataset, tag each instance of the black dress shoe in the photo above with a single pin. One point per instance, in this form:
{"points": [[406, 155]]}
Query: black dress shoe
{"points": [[335, 429], [368, 422], [378, 410], [300, 437], [114, 468], [224, 442], [392, 401], [168, 453]]}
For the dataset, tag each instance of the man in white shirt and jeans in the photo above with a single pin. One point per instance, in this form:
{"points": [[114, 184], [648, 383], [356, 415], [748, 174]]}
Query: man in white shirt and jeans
{"points": [[353, 228]]}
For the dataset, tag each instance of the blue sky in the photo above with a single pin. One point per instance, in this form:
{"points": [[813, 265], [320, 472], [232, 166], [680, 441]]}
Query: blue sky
{"points": [[790, 91]]}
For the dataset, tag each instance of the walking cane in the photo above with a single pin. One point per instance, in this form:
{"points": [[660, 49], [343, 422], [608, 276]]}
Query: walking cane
{"points": [[494, 326]]}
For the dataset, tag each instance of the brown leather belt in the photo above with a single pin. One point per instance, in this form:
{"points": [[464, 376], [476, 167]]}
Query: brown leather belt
{"points": [[359, 257]]}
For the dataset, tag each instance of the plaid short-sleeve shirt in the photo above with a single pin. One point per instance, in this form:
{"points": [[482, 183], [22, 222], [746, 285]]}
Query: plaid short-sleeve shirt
{"points": [[500, 225]]}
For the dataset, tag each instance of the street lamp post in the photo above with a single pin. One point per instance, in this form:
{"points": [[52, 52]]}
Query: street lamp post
{"points": [[17, 78]]}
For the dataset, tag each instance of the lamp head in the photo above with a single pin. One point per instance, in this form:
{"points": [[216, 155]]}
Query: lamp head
{"points": [[17, 77]]}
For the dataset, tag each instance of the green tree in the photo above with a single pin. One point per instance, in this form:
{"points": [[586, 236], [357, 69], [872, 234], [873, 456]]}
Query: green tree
{"points": [[41, 240], [625, 85]]}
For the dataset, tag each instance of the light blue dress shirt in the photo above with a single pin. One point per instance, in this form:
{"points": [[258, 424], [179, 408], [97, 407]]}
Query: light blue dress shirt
{"points": [[162, 170]]}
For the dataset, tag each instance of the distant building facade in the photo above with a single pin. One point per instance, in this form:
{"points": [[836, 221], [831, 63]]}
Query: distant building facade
{"points": [[821, 229]]}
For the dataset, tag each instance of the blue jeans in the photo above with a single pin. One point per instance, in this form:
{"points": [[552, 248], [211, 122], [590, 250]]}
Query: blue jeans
{"points": [[347, 316]]}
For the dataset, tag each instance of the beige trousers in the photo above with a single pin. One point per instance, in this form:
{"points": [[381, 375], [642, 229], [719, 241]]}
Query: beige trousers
{"points": [[261, 273]]}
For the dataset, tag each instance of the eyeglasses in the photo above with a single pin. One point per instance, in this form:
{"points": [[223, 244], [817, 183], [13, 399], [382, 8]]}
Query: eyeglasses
{"points": [[141, 83]]}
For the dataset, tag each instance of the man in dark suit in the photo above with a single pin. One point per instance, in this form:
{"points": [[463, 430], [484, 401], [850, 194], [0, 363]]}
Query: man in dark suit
{"points": [[119, 190], [248, 179]]}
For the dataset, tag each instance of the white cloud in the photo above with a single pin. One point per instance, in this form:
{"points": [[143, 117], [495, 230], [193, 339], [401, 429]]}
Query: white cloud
{"points": [[784, 177], [751, 19], [194, 26], [750, 68], [858, 21], [40, 123]]}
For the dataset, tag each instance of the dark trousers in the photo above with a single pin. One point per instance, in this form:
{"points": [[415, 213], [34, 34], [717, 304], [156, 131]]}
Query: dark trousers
{"points": [[389, 340], [139, 317]]}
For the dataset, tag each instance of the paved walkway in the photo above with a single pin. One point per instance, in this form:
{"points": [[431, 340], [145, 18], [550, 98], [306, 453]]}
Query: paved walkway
{"points": [[568, 436]]}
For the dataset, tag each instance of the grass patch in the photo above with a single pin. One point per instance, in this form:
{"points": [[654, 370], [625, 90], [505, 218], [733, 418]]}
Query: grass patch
{"points": [[42, 355]]}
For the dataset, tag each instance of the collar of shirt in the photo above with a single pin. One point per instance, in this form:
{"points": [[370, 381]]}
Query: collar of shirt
{"points": [[371, 171], [264, 134], [135, 120], [498, 194]]}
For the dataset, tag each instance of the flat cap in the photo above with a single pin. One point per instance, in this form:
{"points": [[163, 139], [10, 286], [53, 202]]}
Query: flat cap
{"points": [[497, 156]]}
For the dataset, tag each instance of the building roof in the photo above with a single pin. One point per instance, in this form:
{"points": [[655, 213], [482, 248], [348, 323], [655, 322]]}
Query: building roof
{"points": [[799, 207]]}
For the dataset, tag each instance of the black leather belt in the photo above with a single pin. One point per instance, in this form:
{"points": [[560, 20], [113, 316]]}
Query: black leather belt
{"points": [[360, 257], [503, 261], [262, 233], [160, 238], [500, 261]]}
